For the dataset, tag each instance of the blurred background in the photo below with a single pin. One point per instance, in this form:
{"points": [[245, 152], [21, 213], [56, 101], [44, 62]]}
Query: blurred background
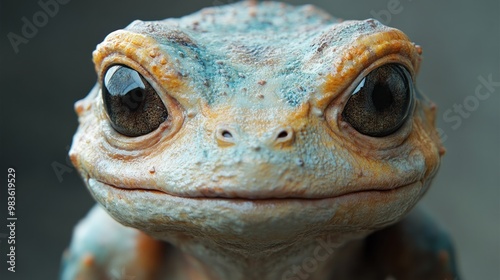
{"points": [[42, 76]]}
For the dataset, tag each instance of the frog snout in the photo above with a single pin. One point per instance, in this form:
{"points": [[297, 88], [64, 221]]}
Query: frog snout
{"points": [[227, 135]]}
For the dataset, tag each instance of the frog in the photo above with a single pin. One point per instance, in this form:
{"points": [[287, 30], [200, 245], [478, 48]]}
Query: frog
{"points": [[257, 140]]}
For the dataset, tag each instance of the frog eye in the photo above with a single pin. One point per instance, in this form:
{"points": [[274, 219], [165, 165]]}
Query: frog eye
{"points": [[381, 102], [133, 106]]}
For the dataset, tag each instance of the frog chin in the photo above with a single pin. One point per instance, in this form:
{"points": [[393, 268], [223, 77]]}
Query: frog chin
{"points": [[163, 215]]}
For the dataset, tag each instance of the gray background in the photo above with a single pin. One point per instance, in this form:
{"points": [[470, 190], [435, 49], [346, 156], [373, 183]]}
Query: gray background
{"points": [[39, 85]]}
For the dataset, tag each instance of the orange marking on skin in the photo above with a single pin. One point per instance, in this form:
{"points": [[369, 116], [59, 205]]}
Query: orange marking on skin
{"points": [[81, 106], [331, 84], [419, 49], [88, 260], [150, 254], [299, 119], [227, 114], [144, 50], [366, 50]]}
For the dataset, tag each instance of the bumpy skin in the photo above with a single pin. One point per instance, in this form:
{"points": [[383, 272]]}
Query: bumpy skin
{"points": [[323, 202]]}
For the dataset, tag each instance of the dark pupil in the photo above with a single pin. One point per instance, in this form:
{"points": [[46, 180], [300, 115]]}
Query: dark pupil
{"points": [[382, 98], [133, 99]]}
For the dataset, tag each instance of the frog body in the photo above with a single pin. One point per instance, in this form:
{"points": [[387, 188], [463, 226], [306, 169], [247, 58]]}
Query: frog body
{"points": [[257, 140]]}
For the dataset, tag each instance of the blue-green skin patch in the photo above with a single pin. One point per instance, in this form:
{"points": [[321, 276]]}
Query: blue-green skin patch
{"points": [[220, 51]]}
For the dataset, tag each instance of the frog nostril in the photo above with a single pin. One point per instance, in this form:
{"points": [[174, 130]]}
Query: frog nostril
{"points": [[283, 134], [226, 134]]}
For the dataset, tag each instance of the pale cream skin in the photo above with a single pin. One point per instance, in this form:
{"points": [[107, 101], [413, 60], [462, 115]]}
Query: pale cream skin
{"points": [[260, 204]]}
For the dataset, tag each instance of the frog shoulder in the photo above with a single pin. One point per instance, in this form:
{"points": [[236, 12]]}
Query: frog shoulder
{"points": [[101, 248]]}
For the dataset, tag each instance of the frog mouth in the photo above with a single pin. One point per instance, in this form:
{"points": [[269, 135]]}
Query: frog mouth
{"points": [[93, 183], [161, 214]]}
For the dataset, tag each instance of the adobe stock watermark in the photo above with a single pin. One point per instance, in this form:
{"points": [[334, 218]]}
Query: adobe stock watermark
{"points": [[456, 115], [61, 168], [30, 27], [309, 265], [394, 7]]}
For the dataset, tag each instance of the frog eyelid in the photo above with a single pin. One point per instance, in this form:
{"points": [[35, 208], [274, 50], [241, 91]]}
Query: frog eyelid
{"points": [[361, 59], [141, 53]]}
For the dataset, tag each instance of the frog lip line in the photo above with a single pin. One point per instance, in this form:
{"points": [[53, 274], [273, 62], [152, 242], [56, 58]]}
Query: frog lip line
{"points": [[243, 198]]}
